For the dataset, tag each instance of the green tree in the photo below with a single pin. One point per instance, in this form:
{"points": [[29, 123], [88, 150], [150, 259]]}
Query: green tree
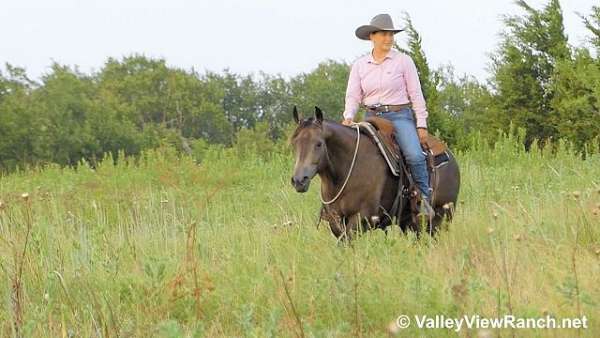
{"points": [[147, 91], [592, 23], [439, 119], [523, 68], [466, 105], [325, 87], [577, 100], [63, 104], [275, 103], [18, 123]]}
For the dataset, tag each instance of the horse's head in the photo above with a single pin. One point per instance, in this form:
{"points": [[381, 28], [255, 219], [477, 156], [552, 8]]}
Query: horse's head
{"points": [[308, 141]]}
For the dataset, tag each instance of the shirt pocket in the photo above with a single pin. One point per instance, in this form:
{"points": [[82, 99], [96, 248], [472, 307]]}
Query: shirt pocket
{"points": [[393, 78]]}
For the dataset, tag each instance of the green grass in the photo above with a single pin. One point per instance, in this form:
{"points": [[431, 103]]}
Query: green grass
{"points": [[167, 247]]}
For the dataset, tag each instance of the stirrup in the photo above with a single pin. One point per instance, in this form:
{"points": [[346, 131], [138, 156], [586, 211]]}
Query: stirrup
{"points": [[426, 210]]}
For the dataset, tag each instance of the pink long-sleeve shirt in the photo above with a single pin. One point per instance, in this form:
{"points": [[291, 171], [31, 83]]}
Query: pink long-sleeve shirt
{"points": [[393, 81]]}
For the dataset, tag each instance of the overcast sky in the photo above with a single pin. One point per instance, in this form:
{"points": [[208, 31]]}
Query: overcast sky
{"points": [[275, 36]]}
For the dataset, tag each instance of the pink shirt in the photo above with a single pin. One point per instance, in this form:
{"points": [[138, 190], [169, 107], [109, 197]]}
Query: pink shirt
{"points": [[394, 81]]}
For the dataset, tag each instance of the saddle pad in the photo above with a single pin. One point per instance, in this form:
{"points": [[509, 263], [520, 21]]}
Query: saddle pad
{"points": [[385, 128], [390, 156]]}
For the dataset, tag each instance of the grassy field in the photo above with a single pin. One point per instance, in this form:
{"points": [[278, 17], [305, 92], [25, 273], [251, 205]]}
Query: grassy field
{"points": [[167, 247]]}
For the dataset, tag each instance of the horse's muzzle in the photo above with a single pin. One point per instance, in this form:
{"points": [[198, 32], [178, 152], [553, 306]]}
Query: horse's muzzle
{"points": [[301, 184]]}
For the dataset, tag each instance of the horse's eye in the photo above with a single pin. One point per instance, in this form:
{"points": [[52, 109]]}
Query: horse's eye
{"points": [[319, 144]]}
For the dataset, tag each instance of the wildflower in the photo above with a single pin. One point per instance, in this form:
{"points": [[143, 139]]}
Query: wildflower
{"points": [[576, 194], [490, 230], [25, 196], [393, 328], [484, 334]]}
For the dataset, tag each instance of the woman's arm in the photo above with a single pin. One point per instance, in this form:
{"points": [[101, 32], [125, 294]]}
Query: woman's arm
{"points": [[413, 87], [353, 93]]}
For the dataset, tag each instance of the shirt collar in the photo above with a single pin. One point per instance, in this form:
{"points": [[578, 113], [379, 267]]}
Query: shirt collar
{"points": [[389, 55]]}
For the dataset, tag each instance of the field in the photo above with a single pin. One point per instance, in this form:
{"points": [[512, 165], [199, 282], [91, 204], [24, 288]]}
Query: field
{"points": [[168, 247]]}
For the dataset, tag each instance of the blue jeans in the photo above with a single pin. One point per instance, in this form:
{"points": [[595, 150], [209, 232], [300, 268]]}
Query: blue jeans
{"points": [[408, 140]]}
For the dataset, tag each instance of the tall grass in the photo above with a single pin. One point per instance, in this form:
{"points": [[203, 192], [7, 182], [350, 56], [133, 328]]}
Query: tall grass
{"points": [[166, 246]]}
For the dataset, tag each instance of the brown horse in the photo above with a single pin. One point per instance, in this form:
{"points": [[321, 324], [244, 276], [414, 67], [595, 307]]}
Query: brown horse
{"points": [[360, 191]]}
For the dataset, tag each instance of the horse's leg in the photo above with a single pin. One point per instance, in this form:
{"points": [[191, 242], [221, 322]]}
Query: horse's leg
{"points": [[347, 227], [338, 226], [343, 227], [354, 224], [415, 227], [443, 214]]}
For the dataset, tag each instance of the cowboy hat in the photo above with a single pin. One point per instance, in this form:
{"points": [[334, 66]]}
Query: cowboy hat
{"points": [[380, 22]]}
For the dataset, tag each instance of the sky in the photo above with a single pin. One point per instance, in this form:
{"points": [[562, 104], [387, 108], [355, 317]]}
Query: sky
{"points": [[245, 36]]}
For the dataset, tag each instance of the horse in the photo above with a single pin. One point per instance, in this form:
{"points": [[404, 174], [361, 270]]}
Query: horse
{"points": [[357, 187]]}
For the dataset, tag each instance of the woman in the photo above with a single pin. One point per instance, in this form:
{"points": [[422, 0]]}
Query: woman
{"points": [[387, 83]]}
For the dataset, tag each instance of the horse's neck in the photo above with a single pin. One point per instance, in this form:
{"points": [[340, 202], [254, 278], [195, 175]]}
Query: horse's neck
{"points": [[340, 142]]}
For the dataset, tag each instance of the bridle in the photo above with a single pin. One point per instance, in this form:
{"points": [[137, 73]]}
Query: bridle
{"points": [[357, 126]]}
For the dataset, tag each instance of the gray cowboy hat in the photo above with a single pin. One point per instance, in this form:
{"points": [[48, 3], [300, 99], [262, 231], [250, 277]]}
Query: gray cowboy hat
{"points": [[380, 22]]}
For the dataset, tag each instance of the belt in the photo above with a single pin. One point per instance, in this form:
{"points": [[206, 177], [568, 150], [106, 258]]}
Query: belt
{"points": [[384, 108]]}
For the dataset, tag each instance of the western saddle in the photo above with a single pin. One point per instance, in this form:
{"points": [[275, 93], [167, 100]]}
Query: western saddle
{"points": [[386, 130], [383, 134]]}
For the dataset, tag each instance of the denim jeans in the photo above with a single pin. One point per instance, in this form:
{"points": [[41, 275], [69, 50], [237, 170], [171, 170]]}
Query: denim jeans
{"points": [[408, 140]]}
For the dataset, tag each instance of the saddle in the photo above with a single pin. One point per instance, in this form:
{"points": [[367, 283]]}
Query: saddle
{"points": [[385, 132], [382, 131]]}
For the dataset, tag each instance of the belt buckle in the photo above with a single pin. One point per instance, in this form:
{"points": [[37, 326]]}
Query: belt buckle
{"points": [[375, 106]]}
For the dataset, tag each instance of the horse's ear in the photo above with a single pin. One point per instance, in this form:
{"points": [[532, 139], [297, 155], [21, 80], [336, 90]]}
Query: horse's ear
{"points": [[295, 113], [318, 114]]}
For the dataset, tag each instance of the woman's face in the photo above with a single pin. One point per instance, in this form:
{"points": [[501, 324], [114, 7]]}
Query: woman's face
{"points": [[383, 40]]}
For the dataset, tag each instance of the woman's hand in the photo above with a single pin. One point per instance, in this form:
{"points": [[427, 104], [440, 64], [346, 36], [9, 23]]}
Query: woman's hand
{"points": [[423, 135], [347, 122]]}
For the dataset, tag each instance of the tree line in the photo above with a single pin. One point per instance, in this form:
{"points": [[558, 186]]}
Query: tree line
{"points": [[538, 82]]}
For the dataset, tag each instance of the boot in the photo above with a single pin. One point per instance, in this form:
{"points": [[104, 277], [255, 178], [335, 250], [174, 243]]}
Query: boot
{"points": [[426, 212]]}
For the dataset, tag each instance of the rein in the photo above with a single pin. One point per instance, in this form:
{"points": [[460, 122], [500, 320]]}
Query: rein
{"points": [[355, 125]]}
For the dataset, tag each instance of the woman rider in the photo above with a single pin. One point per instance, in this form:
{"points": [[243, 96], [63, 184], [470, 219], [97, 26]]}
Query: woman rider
{"points": [[387, 83]]}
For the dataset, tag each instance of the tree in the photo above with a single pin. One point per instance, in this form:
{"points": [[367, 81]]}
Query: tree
{"points": [[324, 87], [577, 100], [146, 91], [18, 123], [467, 106], [523, 68], [592, 23], [275, 102], [438, 119]]}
